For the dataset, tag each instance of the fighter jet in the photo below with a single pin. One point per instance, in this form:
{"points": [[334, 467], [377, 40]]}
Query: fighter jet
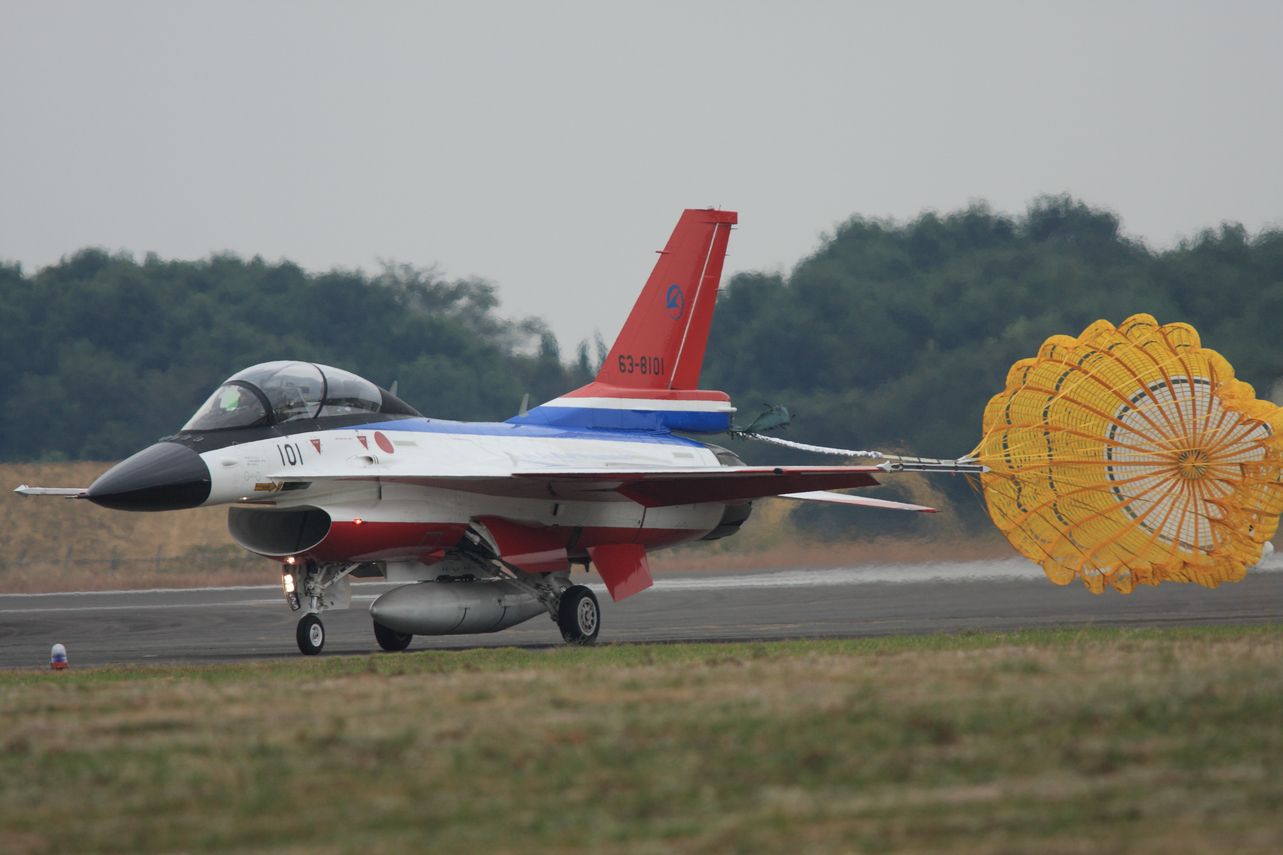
{"points": [[334, 477]]}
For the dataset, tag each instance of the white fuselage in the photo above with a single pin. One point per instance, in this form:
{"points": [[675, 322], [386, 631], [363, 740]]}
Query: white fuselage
{"points": [[400, 474]]}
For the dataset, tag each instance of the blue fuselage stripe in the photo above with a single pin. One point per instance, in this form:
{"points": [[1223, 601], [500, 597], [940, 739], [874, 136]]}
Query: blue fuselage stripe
{"points": [[600, 418], [528, 429]]}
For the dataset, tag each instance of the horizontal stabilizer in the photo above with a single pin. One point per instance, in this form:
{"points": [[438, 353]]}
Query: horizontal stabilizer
{"points": [[864, 501], [68, 492]]}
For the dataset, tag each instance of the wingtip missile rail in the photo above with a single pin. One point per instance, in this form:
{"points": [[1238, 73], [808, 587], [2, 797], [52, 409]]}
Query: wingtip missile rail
{"points": [[68, 492]]}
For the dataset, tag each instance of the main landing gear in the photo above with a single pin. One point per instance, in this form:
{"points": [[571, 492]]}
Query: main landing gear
{"points": [[391, 640], [578, 615], [575, 611]]}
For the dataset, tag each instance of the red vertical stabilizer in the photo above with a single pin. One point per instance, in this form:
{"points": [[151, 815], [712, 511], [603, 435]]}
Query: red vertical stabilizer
{"points": [[650, 379], [662, 343]]}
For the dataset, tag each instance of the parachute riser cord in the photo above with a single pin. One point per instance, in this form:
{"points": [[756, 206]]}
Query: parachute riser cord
{"points": [[889, 462]]}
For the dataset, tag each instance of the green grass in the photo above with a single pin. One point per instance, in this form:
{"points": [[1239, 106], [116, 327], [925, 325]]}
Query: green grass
{"points": [[1062, 741]]}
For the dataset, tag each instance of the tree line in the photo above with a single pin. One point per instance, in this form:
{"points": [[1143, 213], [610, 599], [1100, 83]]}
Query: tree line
{"points": [[892, 335], [103, 354]]}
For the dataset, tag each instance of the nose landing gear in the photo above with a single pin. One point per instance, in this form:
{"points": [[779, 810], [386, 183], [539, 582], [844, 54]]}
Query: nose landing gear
{"points": [[310, 635], [316, 587]]}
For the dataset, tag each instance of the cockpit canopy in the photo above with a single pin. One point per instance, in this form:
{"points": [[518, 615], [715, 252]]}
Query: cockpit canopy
{"points": [[277, 392]]}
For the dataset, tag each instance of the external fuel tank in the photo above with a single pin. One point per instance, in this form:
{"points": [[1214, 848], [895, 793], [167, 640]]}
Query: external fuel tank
{"points": [[455, 608]]}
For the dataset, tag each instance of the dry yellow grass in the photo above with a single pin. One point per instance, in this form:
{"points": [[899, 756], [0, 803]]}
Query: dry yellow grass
{"points": [[49, 543]]}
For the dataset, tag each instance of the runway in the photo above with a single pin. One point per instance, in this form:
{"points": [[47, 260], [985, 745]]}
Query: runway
{"points": [[240, 623]]}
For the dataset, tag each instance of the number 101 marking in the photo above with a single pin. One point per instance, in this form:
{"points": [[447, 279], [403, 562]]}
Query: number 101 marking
{"points": [[291, 454]]}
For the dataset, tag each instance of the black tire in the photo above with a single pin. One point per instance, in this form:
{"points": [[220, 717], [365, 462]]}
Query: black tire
{"points": [[310, 635], [389, 639], [579, 615]]}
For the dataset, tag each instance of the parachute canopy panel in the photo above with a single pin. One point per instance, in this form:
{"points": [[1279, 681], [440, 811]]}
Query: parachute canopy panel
{"points": [[1131, 455]]}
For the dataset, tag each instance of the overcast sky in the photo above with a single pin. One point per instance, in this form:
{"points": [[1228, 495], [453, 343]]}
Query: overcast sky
{"points": [[549, 147]]}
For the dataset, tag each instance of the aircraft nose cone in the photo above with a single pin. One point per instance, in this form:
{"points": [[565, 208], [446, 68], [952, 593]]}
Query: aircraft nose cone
{"points": [[163, 477]]}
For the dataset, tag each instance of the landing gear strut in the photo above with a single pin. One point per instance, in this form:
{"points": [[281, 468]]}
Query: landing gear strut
{"points": [[316, 587], [310, 635], [578, 615]]}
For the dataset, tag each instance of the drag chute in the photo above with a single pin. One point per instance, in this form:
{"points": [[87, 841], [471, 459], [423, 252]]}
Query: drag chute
{"points": [[1131, 455]]}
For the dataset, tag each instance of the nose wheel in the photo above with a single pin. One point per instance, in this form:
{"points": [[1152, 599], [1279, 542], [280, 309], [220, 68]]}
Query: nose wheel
{"points": [[310, 635]]}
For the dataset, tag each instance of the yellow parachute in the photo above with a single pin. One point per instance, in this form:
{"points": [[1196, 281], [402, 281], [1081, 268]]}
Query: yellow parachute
{"points": [[1131, 455]]}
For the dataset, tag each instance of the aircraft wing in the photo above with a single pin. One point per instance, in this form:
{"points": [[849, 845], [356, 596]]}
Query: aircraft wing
{"points": [[659, 488], [652, 488]]}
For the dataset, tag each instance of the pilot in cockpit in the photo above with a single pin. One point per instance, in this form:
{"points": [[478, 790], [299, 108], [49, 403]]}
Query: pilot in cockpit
{"points": [[233, 404], [289, 402]]}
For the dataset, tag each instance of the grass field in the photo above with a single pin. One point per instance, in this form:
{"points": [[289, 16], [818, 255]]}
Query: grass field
{"points": [[1060, 741]]}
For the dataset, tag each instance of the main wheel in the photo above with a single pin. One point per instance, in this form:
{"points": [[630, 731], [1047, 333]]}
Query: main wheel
{"points": [[389, 639], [578, 615], [310, 635]]}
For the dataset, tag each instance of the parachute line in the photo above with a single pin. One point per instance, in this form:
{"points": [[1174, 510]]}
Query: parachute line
{"points": [[890, 462]]}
